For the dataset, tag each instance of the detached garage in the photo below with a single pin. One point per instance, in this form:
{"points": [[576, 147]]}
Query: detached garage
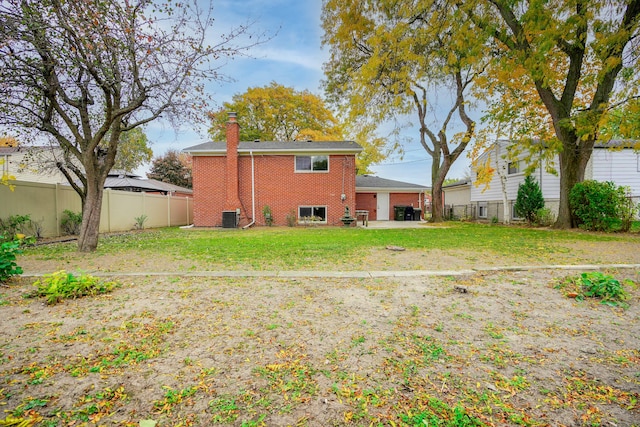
{"points": [[382, 198]]}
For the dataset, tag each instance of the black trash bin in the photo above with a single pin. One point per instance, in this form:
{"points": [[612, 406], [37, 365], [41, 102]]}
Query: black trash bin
{"points": [[398, 213], [408, 213], [417, 214]]}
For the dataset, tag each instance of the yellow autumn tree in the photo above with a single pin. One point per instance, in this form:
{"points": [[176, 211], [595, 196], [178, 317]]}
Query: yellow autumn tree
{"points": [[399, 58], [556, 69], [280, 113]]}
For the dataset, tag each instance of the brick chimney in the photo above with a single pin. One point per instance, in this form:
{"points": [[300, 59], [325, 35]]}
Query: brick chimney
{"points": [[232, 201]]}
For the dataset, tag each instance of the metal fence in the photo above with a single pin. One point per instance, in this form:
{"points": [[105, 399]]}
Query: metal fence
{"points": [[493, 210], [45, 204]]}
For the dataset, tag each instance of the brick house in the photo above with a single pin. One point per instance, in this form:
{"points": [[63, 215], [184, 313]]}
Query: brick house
{"points": [[234, 182]]}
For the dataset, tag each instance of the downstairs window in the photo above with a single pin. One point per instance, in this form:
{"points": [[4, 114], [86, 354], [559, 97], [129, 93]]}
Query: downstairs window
{"points": [[312, 214]]}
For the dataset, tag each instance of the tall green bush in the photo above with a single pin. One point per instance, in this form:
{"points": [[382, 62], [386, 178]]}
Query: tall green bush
{"points": [[529, 199], [598, 206]]}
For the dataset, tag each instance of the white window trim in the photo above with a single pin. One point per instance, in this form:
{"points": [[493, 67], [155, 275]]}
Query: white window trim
{"points": [[295, 164], [484, 206], [303, 221], [518, 166]]}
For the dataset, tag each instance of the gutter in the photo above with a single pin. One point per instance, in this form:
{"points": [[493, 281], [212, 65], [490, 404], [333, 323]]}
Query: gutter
{"points": [[253, 193]]}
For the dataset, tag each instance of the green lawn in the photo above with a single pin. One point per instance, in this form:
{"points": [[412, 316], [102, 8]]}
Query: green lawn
{"points": [[265, 248]]}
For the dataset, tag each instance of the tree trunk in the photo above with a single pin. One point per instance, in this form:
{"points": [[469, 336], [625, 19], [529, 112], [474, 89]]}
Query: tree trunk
{"points": [[506, 212], [573, 162], [438, 174], [437, 208], [90, 229]]}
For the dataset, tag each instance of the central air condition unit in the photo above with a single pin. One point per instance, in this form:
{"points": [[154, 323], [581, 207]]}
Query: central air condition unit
{"points": [[229, 219]]}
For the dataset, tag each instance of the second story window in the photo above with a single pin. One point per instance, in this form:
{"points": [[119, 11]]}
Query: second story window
{"points": [[513, 168], [312, 163]]}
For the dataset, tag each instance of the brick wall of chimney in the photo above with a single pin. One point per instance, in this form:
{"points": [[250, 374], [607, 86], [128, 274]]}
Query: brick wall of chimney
{"points": [[232, 201]]}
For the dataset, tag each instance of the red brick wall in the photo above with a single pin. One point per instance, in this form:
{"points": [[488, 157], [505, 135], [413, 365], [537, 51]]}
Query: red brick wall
{"points": [[405, 199], [368, 202], [276, 185], [208, 190]]}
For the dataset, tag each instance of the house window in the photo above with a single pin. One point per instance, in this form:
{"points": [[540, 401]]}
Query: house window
{"points": [[513, 168], [312, 213], [514, 214], [312, 163], [482, 210]]}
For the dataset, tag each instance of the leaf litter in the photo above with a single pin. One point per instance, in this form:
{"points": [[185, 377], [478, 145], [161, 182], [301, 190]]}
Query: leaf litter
{"points": [[512, 349]]}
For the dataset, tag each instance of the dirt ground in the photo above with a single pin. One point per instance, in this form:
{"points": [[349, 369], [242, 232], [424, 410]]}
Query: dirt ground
{"points": [[490, 348]]}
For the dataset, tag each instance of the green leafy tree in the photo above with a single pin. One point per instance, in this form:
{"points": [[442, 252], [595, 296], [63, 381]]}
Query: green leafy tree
{"points": [[388, 59], [555, 70], [133, 151], [529, 199], [172, 168], [279, 113], [84, 72], [623, 122]]}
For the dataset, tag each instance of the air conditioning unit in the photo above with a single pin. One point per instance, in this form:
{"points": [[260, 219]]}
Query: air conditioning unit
{"points": [[229, 219]]}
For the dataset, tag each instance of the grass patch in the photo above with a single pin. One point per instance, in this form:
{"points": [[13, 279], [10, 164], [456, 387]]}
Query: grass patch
{"points": [[62, 285], [269, 248]]}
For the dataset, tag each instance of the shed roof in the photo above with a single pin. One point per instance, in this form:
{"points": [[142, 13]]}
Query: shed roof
{"points": [[124, 182], [10, 150], [276, 147], [459, 183], [375, 183]]}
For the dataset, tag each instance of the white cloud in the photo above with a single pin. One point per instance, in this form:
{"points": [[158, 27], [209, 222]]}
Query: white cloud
{"points": [[308, 58]]}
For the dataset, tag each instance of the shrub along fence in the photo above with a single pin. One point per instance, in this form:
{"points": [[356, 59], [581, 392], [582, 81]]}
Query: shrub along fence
{"points": [[487, 211], [45, 203]]}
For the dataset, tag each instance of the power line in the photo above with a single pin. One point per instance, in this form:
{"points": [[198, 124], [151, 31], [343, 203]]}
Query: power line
{"points": [[401, 163]]}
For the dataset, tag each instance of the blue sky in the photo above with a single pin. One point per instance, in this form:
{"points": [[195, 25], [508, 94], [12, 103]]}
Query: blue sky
{"points": [[293, 57]]}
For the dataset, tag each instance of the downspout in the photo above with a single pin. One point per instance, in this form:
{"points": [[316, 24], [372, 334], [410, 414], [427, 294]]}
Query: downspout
{"points": [[253, 193]]}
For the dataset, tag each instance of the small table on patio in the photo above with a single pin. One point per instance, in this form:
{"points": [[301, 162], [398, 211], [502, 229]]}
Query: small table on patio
{"points": [[364, 215]]}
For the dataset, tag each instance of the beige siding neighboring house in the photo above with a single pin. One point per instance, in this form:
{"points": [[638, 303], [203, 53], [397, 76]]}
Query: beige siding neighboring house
{"points": [[22, 163], [457, 193], [457, 200]]}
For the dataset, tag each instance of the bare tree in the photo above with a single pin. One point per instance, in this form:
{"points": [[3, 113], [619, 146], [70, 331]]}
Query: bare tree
{"points": [[84, 72]]}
